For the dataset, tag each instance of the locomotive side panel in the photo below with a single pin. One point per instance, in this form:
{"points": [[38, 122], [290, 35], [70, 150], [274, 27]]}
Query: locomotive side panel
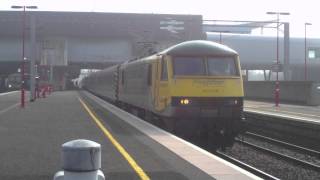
{"points": [[161, 86]]}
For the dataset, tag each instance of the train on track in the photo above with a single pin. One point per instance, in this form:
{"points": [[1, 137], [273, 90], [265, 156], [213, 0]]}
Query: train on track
{"points": [[193, 89]]}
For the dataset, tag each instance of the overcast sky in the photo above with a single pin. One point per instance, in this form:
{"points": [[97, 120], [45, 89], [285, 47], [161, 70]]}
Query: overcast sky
{"points": [[255, 10]]}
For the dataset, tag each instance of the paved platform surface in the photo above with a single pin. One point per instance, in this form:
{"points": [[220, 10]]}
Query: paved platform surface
{"points": [[9, 101], [31, 138], [307, 113], [212, 165], [31, 141]]}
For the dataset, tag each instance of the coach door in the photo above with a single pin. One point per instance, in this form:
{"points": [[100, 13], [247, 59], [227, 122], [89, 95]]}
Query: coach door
{"points": [[161, 85]]}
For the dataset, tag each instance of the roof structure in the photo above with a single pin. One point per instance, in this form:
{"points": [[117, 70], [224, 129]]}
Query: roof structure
{"points": [[92, 24], [237, 27]]}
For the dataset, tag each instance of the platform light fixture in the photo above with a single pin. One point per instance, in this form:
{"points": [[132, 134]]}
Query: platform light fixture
{"points": [[22, 104], [277, 86], [305, 50]]}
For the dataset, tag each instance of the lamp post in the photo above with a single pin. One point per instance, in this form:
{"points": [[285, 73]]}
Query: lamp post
{"points": [[23, 53], [277, 87], [305, 50]]}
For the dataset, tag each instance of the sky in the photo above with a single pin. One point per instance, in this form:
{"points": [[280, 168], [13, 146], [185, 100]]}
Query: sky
{"points": [[252, 10]]}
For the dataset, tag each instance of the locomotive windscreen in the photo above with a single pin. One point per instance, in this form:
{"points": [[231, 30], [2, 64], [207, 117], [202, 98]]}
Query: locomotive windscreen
{"points": [[222, 66], [200, 66], [189, 66]]}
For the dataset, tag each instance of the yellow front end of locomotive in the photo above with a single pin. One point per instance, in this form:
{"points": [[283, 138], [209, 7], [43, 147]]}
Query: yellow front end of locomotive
{"points": [[206, 87], [177, 89]]}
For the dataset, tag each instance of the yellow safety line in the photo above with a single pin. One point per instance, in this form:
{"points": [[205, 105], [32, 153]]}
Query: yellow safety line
{"points": [[124, 153]]}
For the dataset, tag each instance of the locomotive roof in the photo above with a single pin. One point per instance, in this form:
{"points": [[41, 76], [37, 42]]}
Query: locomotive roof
{"points": [[199, 47]]}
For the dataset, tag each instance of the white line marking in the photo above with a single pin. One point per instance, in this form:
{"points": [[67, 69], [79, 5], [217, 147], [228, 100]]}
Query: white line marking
{"points": [[3, 94], [9, 108]]}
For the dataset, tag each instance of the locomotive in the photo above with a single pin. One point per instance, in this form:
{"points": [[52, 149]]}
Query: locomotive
{"points": [[193, 89]]}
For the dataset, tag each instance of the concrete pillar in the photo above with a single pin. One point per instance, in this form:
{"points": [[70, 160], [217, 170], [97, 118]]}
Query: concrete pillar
{"points": [[81, 160], [51, 73], [247, 75], [32, 55], [265, 75], [286, 48]]}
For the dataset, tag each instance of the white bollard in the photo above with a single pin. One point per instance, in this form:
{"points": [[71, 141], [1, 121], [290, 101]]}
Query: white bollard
{"points": [[81, 160]]}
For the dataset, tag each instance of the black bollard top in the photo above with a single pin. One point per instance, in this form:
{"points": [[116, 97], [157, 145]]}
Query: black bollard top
{"points": [[81, 155]]}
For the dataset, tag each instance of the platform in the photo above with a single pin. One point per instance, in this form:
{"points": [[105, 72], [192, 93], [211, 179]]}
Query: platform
{"points": [[31, 141], [9, 101], [296, 112]]}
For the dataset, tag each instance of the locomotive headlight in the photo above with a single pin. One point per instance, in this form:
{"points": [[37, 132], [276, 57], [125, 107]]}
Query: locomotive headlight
{"points": [[9, 85], [184, 101]]}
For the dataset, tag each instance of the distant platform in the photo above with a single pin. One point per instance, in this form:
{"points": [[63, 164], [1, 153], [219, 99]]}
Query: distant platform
{"points": [[298, 112]]}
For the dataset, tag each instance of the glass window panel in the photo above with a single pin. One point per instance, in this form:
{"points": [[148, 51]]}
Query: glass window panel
{"points": [[189, 66], [312, 54], [222, 66], [164, 72]]}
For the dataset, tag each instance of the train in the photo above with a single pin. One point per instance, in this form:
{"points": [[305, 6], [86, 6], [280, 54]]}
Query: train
{"points": [[192, 89]]}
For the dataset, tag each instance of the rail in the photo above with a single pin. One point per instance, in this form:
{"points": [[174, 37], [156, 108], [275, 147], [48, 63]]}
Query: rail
{"points": [[245, 166], [280, 155], [282, 143]]}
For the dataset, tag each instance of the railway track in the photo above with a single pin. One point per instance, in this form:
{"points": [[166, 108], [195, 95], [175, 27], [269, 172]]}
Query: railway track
{"points": [[268, 165], [245, 166], [283, 156], [285, 144], [295, 131], [284, 148]]}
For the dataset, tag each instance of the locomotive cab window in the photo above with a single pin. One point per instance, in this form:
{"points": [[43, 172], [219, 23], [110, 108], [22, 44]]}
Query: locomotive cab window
{"points": [[222, 66], [205, 66], [164, 70], [189, 66]]}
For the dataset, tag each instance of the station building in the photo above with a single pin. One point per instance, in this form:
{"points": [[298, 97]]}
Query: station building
{"points": [[62, 43]]}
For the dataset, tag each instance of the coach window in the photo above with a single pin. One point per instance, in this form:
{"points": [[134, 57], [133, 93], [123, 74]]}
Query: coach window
{"points": [[164, 71], [222, 66]]}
